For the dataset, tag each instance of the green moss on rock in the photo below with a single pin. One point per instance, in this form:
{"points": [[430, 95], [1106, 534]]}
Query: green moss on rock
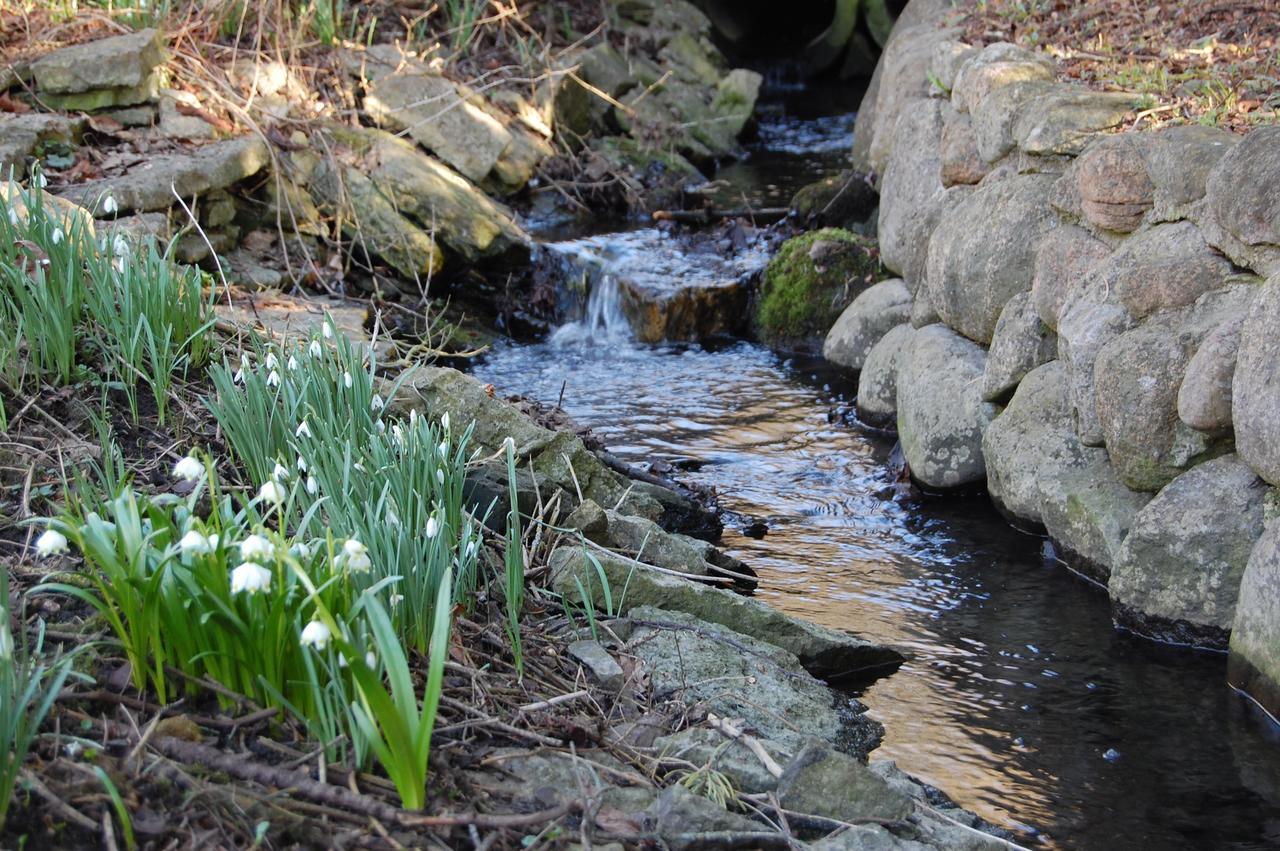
{"points": [[811, 280]]}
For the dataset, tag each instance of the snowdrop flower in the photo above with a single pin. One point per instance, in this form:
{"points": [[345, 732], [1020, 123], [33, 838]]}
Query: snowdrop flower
{"points": [[256, 548], [302, 464], [315, 634], [271, 361], [194, 543], [397, 434], [109, 205], [313, 487], [444, 448], [444, 421], [315, 349], [120, 246], [188, 469], [273, 380], [51, 543], [271, 492], [393, 519], [42, 181], [509, 445], [471, 549], [381, 427], [303, 430], [13, 217], [355, 556], [371, 659], [346, 380], [433, 526], [250, 578], [292, 364], [439, 476], [57, 236], [73, 749], [377, 404], [280, 472], [301, 551], [358, 466], [327, 331], [6, 644], [395, 599]]}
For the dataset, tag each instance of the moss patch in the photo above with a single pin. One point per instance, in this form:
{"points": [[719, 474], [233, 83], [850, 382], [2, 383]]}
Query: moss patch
{"points": [[812, 279]]}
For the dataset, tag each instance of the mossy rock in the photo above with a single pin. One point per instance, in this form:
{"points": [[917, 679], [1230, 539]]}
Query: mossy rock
{"points": [[845, 200], [813, 278]]}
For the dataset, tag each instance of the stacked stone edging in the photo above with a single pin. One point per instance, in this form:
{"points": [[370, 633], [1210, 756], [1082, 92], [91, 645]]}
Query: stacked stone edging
{"points": [[1097, 328]]}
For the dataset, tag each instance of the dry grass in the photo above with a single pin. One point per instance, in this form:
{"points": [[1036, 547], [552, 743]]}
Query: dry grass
{"points": [[1214, 62]]}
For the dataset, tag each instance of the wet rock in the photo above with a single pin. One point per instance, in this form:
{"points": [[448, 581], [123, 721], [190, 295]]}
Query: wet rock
{"points": [[597, 661], [1165, 266], [21, 135], [1032, 444], [937, 823], [1020, 344], [122, 62], [995, 67], [910, 193], [823, 652], [1113, 183], [878, 382], [1242, 217], [824, 782], [1204, 398], [962, 164], [864, 322], [1091, 318], [1090, 516], [1180, 568], [1062, 121], [646, 541], [983, 252], [941, 415], [736, 675], [1254, 664], [1255, 397], [866, 837], [1138, 375], [810, 281], [1065, 256], [844, 200], [731, 757], [151, 185]]}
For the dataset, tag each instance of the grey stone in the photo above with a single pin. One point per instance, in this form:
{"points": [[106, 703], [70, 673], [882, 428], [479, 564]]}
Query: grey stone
{"points": [[1204, 397], [151, 185], [878, 383], [1062, 121], [1064, 258], [946, 60], [995, 116], [995, 67], [1091, 515], [648, 542], [1254, 664], [909, 193], [824, 782], [866, 837], [597, 661], [1113, 184], [962, 164], [119, 62], [98, 100], [1091, 317], [1179, 162], [1138, 375], [864, 322], [1242, 216], [823, 652], [1020, 344], [443, 117], [941, 415], [1179, 572], [922, 310], [682, 819], [1169, 265], [1255, 394], [1032, 444], [589, 519], [982, 252], [730, 757], [20, 135]]}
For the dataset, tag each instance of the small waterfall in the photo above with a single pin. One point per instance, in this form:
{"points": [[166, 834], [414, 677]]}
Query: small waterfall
{"points": [[588, 295], [603, 322]]}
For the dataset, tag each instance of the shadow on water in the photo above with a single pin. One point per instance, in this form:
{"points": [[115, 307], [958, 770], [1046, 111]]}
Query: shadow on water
{"points": [[1020, 701]]}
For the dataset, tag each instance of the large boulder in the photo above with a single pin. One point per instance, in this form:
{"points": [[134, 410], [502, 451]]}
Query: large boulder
{"points": [[1021, 343], [1255, 396], [1254, 664], [1243, 202], [1179, 162], [1091, 515], [121, 62], [1137, 379], [1061, 122], [823, 652], [809, 283], [995, 67], [982, 252], [910, 193], [1031, 444], [941, 415], [1179, 572], [1169, 265], [962, 164], [1064, 258], [878, 383], [824, 782], [864, 322], [1112, 182], [1204, 398], [994, 117], [1090, 318]]}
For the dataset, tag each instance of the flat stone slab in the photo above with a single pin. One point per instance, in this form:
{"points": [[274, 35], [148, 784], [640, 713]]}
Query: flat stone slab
{"points": [[120, 62]]}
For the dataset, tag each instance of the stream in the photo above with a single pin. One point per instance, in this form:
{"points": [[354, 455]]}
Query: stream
{"points": [[1020, 700]]}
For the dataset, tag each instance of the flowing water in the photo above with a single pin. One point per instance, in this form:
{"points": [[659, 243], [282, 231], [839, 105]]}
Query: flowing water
{"points": [[1020, 700]]}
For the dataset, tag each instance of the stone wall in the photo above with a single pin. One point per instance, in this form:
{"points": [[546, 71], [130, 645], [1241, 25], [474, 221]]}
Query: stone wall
{"points": [[1094, 328]]}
